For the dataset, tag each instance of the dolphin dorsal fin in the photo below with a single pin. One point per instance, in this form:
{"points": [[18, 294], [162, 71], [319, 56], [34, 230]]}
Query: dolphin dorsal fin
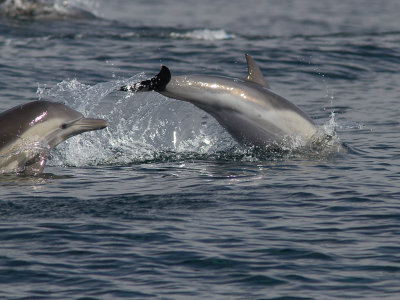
{"points": [[254, 73]]}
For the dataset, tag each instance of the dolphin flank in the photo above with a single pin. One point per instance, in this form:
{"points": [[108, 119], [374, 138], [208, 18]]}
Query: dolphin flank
{"points": [[246, 108], [28, 132]]}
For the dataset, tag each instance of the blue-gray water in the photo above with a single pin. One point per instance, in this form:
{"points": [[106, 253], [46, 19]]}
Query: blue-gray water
{"points": [[164, 204]]}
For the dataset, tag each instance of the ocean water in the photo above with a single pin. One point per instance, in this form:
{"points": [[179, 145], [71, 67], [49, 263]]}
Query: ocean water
{"points": [[164, 204]]}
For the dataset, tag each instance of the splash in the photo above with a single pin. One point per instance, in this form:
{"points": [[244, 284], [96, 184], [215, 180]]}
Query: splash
{"points": [[148, 127], [142, 127], [325, 143]]}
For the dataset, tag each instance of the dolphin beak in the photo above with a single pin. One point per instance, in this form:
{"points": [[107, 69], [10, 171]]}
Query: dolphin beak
{"points": [[88, 124]]}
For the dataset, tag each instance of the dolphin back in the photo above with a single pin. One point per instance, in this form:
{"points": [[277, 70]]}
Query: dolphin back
{"points": [[15, 121]]}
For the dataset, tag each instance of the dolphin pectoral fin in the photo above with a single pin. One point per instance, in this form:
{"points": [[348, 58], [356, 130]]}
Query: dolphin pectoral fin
{"points": [[254, 73], [157, 83]]}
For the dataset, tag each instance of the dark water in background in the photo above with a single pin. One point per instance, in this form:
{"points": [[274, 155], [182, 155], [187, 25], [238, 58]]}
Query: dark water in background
{"points": [[164, 204]]}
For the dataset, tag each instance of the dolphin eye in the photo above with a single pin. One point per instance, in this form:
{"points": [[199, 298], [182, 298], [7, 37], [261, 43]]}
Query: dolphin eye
{"points": [[64, 126]]}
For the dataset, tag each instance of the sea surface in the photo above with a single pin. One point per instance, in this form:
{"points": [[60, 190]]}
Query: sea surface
{"points": [[164, 204]]}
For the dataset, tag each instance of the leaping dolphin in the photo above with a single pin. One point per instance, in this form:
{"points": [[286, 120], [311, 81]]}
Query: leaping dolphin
{"points": [[28, 132], [247, 109]]}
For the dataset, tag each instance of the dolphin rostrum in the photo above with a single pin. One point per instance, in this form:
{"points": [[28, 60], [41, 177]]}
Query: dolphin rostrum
{"points": [[28, 132], [246, 108]]}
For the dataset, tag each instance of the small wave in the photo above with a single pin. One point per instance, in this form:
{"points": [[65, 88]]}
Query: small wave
{"points": [[203, 34], [352, 126], [128, 34]]}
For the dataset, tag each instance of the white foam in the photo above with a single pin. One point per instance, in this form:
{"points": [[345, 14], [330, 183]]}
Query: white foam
{"points": [[49, 8], [203, 34]]}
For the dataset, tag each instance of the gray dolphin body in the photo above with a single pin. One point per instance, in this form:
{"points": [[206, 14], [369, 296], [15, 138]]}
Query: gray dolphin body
{"points": [[28, 132], [247, 108]]}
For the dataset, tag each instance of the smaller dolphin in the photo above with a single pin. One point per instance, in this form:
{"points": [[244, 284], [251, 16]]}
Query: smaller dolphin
{"points": [[246, 108], [28, 132]]}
